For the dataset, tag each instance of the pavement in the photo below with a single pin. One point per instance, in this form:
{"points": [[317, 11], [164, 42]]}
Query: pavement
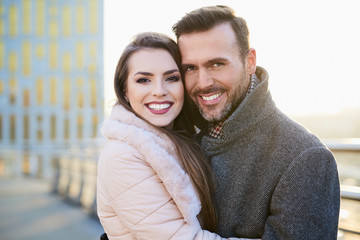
{"points": [[349, 219], [29, 211]]}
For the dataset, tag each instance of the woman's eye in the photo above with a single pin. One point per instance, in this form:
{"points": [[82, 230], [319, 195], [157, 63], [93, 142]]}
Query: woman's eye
{"points": [[142, 80], [173, 78]]}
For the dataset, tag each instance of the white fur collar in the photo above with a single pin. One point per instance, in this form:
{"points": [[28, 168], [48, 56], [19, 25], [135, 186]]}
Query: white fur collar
{"points": [[159, 152]]}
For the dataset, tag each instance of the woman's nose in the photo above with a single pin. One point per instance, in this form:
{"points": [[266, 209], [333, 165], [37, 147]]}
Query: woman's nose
{"points": [[160, 89]]}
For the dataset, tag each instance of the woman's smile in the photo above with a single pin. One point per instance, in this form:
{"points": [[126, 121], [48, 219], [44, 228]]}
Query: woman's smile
{"points": [[159, 107]]}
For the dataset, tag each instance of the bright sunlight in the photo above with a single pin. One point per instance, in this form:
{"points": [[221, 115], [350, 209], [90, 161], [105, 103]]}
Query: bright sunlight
{"points": [[310, 48]]}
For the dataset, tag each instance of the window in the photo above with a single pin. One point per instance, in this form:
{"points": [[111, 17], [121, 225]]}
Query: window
{"points": [[39, 91], [53, 127], [26, 16], [26, 98], [13, 20], [26, 58], [26, 127], [40, 17]]}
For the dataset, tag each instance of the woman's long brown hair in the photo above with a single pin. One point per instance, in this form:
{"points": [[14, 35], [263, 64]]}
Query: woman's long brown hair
{"points": [[189, 153]]}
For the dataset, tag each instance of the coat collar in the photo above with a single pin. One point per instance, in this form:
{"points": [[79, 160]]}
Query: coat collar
{"points": [[256, 107]]}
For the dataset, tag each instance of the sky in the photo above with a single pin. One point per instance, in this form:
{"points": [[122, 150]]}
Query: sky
{"points": [[310, 48]]}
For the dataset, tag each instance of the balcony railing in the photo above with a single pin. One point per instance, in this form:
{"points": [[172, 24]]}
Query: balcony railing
{"points": [[72, 170]]}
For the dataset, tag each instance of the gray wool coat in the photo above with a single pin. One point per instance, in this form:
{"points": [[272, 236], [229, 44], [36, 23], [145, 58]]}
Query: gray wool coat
{"points": [[274, 179]]}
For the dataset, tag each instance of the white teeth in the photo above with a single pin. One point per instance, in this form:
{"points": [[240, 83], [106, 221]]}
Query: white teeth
{"points": [[212, 97], [158, 107]]}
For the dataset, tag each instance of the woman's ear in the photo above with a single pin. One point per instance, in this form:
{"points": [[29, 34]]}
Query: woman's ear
{"points": [[125, 95], [251, 61]]}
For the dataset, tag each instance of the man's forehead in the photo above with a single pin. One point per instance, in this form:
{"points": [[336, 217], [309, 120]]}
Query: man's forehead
{"points": [[204, 53]]}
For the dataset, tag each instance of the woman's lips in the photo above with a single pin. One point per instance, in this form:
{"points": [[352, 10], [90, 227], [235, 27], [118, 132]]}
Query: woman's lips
{"points": [[159, 107]]}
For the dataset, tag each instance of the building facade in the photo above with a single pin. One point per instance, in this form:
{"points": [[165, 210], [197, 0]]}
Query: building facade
{"points": [[51, 75]]}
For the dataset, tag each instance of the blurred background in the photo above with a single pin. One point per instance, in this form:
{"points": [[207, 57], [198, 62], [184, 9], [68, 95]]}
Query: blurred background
{"points": [[57, 60]]}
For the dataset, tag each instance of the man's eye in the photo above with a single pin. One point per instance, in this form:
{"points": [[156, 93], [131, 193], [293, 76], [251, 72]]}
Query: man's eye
{"points": [[217, 65], [142, 80], [189, 68]]}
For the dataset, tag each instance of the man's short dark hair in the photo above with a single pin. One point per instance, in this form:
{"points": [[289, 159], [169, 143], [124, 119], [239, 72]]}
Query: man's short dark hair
{"points": [[205, 18]]}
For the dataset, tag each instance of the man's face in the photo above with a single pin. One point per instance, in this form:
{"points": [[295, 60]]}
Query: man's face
{"points": [[215, 76]]}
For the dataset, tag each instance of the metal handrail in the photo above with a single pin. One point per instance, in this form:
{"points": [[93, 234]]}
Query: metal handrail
{"points": [[347, 145], [350, 192], [343, 144]]}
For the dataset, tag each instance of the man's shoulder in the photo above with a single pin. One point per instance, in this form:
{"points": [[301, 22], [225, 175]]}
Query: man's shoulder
{"points": [[295, 131], [290, 137]]}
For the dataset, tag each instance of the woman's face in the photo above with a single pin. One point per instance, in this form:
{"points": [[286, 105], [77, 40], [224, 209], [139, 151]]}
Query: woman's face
{"points": [[154, 87]]}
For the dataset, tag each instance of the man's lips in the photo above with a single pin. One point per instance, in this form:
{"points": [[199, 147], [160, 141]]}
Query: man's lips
{"points": [[212, 98]]}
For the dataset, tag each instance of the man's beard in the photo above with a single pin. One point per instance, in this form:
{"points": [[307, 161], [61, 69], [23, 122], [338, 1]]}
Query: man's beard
{"points": [[232, 102]]}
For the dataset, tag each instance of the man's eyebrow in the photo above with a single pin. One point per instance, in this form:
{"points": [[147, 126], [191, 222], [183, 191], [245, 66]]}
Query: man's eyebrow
{"points": [[215, 60], [209, 62], [186, 65]]}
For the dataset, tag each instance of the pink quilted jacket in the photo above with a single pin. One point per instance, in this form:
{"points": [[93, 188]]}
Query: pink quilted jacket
{"points": [[142, 191]]}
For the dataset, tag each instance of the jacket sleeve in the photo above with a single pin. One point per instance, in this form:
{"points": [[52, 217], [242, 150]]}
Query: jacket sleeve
{"points": [[141, 201], [306, 201]]}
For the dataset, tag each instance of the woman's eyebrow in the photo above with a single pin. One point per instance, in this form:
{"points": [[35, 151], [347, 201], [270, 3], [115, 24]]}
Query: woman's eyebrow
{"points": [[170, 71], [143, 73]]}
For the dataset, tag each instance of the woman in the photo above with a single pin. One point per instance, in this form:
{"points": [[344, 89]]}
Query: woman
{"points": [[153, 182]]}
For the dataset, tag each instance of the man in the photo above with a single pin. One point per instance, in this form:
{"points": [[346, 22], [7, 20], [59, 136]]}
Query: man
{"points": [[274, 179]]}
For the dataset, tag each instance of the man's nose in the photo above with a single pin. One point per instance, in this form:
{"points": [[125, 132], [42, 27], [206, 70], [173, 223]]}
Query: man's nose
{"points": [[205, 80]]}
